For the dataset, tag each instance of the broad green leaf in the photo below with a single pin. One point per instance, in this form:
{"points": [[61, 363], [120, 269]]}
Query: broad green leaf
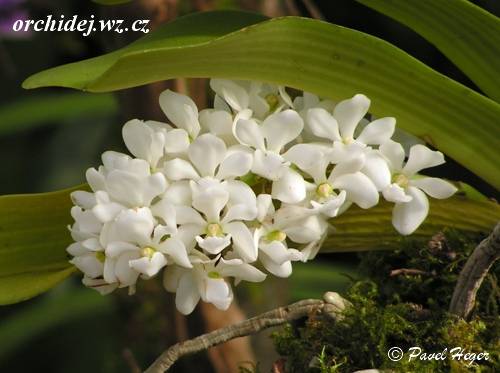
{"points": [[307, 54], [33, 238], [358, 229], [467, 34], [34, 235], [54, 310], [35, 111]]}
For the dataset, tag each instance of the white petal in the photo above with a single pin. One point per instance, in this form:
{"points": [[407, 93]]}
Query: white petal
{"points": [[377, 169], [242, 211], [126, 276], [407, 217], [206, 153], [211, 202], [231, 92], [95, 179], [343, 152], [219, 293], [176, 141], [133, 190], [394, 193], [268, 165], [116, 248], [394, 153], [349, 113], [276, 251], [83, 199], [359, 189], [187, 234], [240, 193], [214, 245], [234, 165], [310, 229], [309, 158], [249, 133], [180, 169], [178, 193], [76, 249], [331, 207], [147, 266], [434, 187], [176, 249], [187, 296], [166, 211], [378, 131], [264, 206], [243, 242], [181, 111], [283, 270], [143, 141], [109, 271], [323, 124], [89, 265], [188, 215], [134, 226], [218, 122], [349, 166], [107, 212], [290, 188], [421, 157], [241, 271], [171, 277], [281, 128]]}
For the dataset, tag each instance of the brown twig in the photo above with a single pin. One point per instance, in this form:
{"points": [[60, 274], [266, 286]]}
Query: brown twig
{"points": [[313, 10], [409, 272], [332, 306], [129, 358], [473, 274]]}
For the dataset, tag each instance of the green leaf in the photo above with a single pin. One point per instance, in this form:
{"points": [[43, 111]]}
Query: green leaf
{"points": [[467, 34], [33, 239], [307, 54], [358, 229], [35, 111]]}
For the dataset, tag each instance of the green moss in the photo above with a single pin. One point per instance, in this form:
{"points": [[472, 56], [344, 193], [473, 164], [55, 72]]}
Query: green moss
{"points": [[401, 310]]}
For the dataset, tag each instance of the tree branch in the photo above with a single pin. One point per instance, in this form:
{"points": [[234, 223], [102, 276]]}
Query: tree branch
{"points": [[332, 306], [473, 274]]}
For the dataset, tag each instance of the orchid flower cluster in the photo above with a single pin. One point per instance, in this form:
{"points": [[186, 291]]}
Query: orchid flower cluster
{"points": [[246, 187]]}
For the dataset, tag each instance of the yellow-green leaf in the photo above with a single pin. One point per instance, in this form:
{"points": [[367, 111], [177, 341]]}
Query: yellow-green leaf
{"points": [[307, 54], [33, 239], [467, 34]]}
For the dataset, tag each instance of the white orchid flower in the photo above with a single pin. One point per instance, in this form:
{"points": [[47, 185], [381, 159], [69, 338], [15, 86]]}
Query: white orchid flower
{"points": [[346, 177], [407, 189], [341, 126], [181, 111], [127, 181], [209, 157], [154, 141], [135, 245], [207, 281], [269, 139], [271, 237], [261, 99], [214, 232]]}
